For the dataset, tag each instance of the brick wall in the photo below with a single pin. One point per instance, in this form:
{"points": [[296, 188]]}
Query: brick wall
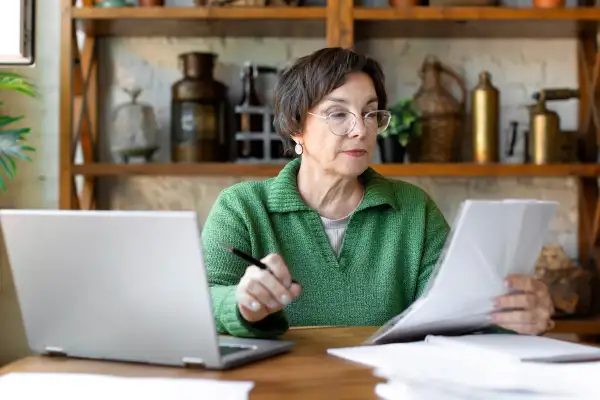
{"points": [[518, 68]]}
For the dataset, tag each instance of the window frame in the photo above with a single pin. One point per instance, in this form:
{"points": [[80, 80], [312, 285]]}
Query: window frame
{"points": [[26, 36]]}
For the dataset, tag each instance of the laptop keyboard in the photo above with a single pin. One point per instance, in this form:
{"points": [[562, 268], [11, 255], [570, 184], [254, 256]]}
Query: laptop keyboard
{"points": [[228, 350]]}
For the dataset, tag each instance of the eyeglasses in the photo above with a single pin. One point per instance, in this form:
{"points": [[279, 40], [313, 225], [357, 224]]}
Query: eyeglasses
{"points": [[341, 123]]}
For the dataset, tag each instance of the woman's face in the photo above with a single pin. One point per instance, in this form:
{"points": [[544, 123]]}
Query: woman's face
{"points": [[342, 154]]}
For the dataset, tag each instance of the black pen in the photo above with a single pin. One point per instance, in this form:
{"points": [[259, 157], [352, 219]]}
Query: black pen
{"points": [[248, 258]]}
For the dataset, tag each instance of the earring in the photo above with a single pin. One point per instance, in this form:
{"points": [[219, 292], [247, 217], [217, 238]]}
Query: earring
{"points": [[298, 149]]}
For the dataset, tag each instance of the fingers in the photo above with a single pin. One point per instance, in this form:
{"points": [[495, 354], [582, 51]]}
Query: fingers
{"points": [[523, 322], [262, 292], [295, 289], [254, 284], [279, 293], [278, 268], [250, 307], [528, 309], [529, 286], [525, 301], [523, 283], [528, 321]]}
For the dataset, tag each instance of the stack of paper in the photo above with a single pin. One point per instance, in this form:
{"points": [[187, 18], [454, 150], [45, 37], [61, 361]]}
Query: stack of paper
{"points": [[489, 240], [481, 367], [67, 386]]}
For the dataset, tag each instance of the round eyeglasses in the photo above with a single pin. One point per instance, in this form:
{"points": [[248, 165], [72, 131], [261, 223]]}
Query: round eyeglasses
{"points": [[341, 123]]}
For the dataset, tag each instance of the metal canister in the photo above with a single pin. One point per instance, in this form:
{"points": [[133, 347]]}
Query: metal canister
{"points": [[485, 122], [544, 134]]}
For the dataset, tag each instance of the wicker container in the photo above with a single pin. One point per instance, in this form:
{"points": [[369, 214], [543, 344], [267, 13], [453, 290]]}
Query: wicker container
{"points": [[442, 115]]}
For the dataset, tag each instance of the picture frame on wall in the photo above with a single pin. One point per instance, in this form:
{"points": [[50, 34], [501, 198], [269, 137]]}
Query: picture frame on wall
{"points": [[17, 22]]}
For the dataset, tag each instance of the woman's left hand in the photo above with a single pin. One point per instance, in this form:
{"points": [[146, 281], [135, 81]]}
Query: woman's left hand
{"points": [[528, 309]]}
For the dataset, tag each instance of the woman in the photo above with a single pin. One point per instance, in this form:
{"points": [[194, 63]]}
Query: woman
{"points": [[361, 246]]}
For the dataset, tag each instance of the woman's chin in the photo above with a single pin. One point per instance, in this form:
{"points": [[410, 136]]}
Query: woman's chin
{"points": [[354, 167]]}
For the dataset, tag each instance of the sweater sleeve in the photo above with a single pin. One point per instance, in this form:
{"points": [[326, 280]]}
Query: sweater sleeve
{"points": [[436, 232], [225, 225]]}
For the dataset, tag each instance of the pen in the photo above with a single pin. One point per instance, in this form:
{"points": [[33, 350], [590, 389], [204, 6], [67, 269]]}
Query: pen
{"points": [[248, 258]]}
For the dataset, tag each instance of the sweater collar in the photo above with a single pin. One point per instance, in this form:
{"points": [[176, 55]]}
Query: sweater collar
{"points": [[285, 197]]}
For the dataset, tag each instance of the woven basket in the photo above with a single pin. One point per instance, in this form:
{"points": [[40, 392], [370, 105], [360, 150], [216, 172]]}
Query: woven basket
{"points": [[439, 137]]}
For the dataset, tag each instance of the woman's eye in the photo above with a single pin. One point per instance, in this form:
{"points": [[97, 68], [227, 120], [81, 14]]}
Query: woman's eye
{"points": [[338, 114]]}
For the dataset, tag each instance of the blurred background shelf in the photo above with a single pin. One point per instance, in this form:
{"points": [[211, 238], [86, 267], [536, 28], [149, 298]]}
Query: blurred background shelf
{"points": [[202, 21], [473, 22], [268, 170]]}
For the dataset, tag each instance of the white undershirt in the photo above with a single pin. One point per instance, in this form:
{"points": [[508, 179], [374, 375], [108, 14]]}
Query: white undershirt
{"points": [[336, 228]]}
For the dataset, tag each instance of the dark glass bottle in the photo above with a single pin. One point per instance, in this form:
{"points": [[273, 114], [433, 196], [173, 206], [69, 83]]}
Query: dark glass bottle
{"points": [[198, 106], [249, 122]]}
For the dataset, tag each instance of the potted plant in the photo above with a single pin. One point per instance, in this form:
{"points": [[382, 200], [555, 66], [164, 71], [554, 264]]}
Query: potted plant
{"points": [[13, 141], [404, 125]]}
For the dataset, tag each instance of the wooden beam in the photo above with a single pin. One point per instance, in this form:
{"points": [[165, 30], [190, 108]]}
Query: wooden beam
{"points": [[346, 14], [66, 194], [333, 23]]}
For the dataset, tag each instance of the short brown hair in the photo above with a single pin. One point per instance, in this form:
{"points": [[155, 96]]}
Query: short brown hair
{"points": [[310, 78]]}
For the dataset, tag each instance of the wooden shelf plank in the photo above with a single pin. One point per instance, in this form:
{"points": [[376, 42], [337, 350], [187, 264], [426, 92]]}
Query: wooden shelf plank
{"points": [[476, 13], [202, 22], [268, 170], [581, 326], [473, 22], [194, 13]]}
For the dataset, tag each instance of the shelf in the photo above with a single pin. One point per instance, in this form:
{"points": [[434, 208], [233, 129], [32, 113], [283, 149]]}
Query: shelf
{"points": [[399, 170], [203, 21], [581, 326], [473, 22]]}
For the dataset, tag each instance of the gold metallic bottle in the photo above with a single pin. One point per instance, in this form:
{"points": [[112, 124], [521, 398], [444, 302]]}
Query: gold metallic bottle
{"points": [[544, 134], [485, 121]]}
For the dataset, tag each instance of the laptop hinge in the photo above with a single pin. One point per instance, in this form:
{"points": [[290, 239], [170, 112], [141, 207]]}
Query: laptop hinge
{"points": [[193, 362], [54, 351]]}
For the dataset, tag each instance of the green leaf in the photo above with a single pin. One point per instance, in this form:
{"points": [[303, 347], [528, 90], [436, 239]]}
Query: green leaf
{"points": [[13, 143], [18, 83], [5, 120], [9, 171], [2, 184]]}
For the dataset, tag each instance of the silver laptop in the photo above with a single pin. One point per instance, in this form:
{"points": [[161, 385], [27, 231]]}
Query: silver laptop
{"points": [[120, 285]]}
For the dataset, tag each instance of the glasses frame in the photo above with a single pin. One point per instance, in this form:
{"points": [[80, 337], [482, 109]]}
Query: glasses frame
{"points": [[327, 118]]}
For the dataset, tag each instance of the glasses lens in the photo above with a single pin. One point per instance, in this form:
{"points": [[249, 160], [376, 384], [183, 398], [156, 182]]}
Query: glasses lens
{"points": [[381, 120], [341, 122]]}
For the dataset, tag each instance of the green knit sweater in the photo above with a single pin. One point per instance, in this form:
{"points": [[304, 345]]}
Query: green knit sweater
{"points": [[390, 248]]}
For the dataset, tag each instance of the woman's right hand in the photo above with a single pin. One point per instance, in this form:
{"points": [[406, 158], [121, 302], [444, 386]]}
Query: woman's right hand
{"points": [[261, 292]]}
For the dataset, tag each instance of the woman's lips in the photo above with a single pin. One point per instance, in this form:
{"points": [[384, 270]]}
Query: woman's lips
{"points": [[355, 153]]}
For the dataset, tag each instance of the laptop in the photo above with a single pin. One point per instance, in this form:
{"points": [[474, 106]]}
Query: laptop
{"points": [[120, 285]]}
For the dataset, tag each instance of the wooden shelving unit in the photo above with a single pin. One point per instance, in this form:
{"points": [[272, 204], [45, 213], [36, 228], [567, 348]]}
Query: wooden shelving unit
{"points": [[269, 170], [341, 24]]}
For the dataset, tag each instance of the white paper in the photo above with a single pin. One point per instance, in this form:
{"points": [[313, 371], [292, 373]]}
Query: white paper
{"points": [[71, 386], [413, 390], [489, 240], [473, 371], [518, 347]]}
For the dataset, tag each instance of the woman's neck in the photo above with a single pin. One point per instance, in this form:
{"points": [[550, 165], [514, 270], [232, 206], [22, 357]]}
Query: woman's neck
{"points": [[332, 196]]}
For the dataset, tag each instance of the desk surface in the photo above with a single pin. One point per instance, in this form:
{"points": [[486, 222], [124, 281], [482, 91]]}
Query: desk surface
{"points": [[307, 372]]}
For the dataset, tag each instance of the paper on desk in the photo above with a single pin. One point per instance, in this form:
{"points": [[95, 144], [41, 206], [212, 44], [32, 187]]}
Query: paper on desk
{"points": [[489, 240], [452, 367], [525, 348], [71, 386], [413, 390]]}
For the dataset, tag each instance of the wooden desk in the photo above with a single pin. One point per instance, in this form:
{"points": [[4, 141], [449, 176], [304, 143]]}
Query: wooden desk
{"points": [[307, 372]]}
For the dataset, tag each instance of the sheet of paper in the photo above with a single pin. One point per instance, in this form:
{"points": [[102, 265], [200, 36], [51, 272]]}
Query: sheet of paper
{"points": [[70, 386], [426, 362], [489, 240], [412, 390], [519, 347]]}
